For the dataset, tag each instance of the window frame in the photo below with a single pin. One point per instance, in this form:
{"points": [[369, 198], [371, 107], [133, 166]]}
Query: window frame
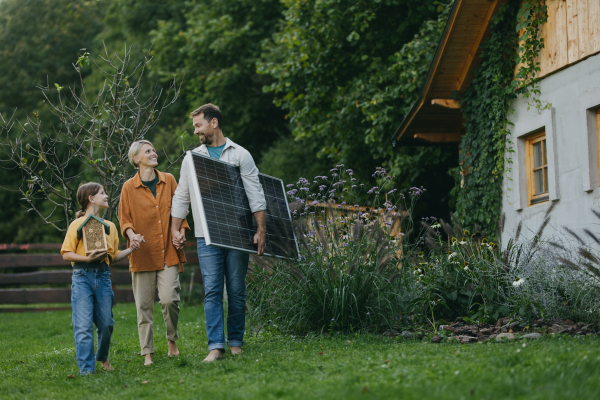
{"points": [[544, 197]]}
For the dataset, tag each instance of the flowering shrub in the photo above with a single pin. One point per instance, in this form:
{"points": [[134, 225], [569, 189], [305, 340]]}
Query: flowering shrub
{"points": [[455, 277], [346, 274], [357, 271]]}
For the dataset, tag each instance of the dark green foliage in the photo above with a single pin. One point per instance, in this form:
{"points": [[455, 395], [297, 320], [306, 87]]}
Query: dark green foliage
{"points": [[485, 106], [216, 46], [39, 39], [346, 74]]}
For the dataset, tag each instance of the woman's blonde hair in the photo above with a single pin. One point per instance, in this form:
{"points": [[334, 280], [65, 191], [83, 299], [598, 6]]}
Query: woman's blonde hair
{"points": [[134, 150], [84, 192]]}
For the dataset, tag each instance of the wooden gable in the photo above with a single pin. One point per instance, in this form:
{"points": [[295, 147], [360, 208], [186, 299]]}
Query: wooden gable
{"points": [[571, 34]]}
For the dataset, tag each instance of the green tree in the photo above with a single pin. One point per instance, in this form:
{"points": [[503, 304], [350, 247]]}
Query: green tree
{"points": [[215, 45], [347, 75], [39, 41]]}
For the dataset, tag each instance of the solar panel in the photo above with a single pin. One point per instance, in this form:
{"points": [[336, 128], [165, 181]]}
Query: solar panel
{"points": [[227, 220]]}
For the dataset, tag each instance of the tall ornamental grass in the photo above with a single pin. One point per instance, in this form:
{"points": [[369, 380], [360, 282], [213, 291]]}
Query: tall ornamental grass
{"points": [[346, 275]]}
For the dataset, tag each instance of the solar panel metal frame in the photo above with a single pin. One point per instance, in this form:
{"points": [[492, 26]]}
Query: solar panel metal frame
{"points": [[196, 189]]}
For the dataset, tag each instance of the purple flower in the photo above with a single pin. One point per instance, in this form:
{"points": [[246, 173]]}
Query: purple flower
{"points": [[333, 169], [289, 186], [315, 202]]}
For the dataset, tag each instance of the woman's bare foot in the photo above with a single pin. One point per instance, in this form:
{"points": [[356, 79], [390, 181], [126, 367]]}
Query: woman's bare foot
{"points": [[148, 359], [173, 350], [106, 365], [235, 350], [214, 355]]}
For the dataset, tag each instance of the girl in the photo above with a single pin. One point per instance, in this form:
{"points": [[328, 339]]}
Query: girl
{"points": [[91, 291]]}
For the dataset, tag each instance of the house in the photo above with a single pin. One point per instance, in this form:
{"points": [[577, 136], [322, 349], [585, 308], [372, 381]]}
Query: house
{"points": [[555, 158]]}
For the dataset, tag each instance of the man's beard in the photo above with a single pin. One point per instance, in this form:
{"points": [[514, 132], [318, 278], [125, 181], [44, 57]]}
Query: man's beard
{"points": [[208, 140]]}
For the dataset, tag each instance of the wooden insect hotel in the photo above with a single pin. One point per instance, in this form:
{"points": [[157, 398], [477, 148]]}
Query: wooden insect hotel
{"points": [[93, 231]]}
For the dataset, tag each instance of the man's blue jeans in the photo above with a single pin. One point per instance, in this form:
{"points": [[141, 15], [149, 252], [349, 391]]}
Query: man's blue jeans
{"points": [[92, 300], [219, 266]]}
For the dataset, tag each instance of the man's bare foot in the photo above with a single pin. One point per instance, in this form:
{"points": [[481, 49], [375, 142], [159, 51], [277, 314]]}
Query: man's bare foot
{"points": [[173, 350], [106, 365], [213, 355], [235, 350], [148, 359]]}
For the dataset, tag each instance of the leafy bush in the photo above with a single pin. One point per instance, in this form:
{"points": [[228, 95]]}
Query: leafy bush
{"points": [[357, 271], [346, 275]]}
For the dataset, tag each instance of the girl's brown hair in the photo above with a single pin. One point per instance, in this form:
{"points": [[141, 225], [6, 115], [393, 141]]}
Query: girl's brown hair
{"points": [[84, 192]]}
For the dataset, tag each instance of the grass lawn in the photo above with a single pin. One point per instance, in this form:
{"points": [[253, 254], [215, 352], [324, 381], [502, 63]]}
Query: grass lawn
{"points": [[37, 354]]}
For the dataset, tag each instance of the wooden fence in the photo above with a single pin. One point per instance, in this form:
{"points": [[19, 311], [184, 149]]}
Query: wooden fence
{"points": [[27, 295]]}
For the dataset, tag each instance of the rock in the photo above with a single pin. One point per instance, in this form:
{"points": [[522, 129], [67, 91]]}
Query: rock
{"points": [[508, 336], [391, 333], [533, 335], [466, 339], [450, 329], [555, 328], [407, 335], [436, 339]]}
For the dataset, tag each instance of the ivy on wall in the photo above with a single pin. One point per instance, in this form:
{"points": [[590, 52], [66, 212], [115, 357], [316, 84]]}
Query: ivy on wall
{"points": [[486, 106]]}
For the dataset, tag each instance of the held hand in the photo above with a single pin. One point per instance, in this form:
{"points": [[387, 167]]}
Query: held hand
{"points": [[134, 245], [135, 241], [260, 239], [178, 239], [96, 255]]}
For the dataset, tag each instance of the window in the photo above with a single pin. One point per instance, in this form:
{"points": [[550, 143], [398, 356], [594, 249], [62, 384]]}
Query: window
{"points": [[537, 169]]}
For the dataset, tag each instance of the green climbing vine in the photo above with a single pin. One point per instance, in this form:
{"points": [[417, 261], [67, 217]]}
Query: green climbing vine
{"points": [[486, 105]]}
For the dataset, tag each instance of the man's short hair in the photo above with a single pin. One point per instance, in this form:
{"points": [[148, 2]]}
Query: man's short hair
{"points": [[210, 111]]}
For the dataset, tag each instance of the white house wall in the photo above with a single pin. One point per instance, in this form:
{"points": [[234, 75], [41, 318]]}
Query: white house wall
{"points": [[570, 126]]}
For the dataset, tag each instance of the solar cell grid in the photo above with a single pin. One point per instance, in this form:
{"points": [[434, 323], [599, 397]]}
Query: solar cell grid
{"points": [[228, 220]]}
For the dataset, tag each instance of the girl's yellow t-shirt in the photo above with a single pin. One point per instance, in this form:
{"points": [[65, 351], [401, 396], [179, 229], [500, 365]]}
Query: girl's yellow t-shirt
{"points": [[75, 245]]}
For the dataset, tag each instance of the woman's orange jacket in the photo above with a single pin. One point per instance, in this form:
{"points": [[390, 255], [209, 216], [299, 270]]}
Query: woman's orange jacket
{"points": [[150, 217]]}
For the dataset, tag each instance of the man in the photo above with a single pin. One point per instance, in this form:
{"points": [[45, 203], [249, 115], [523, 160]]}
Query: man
{"points": [[217, 263]]}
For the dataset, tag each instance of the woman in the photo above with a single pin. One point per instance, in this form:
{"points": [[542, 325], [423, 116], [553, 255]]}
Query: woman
{"points": [[145, 218]]}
